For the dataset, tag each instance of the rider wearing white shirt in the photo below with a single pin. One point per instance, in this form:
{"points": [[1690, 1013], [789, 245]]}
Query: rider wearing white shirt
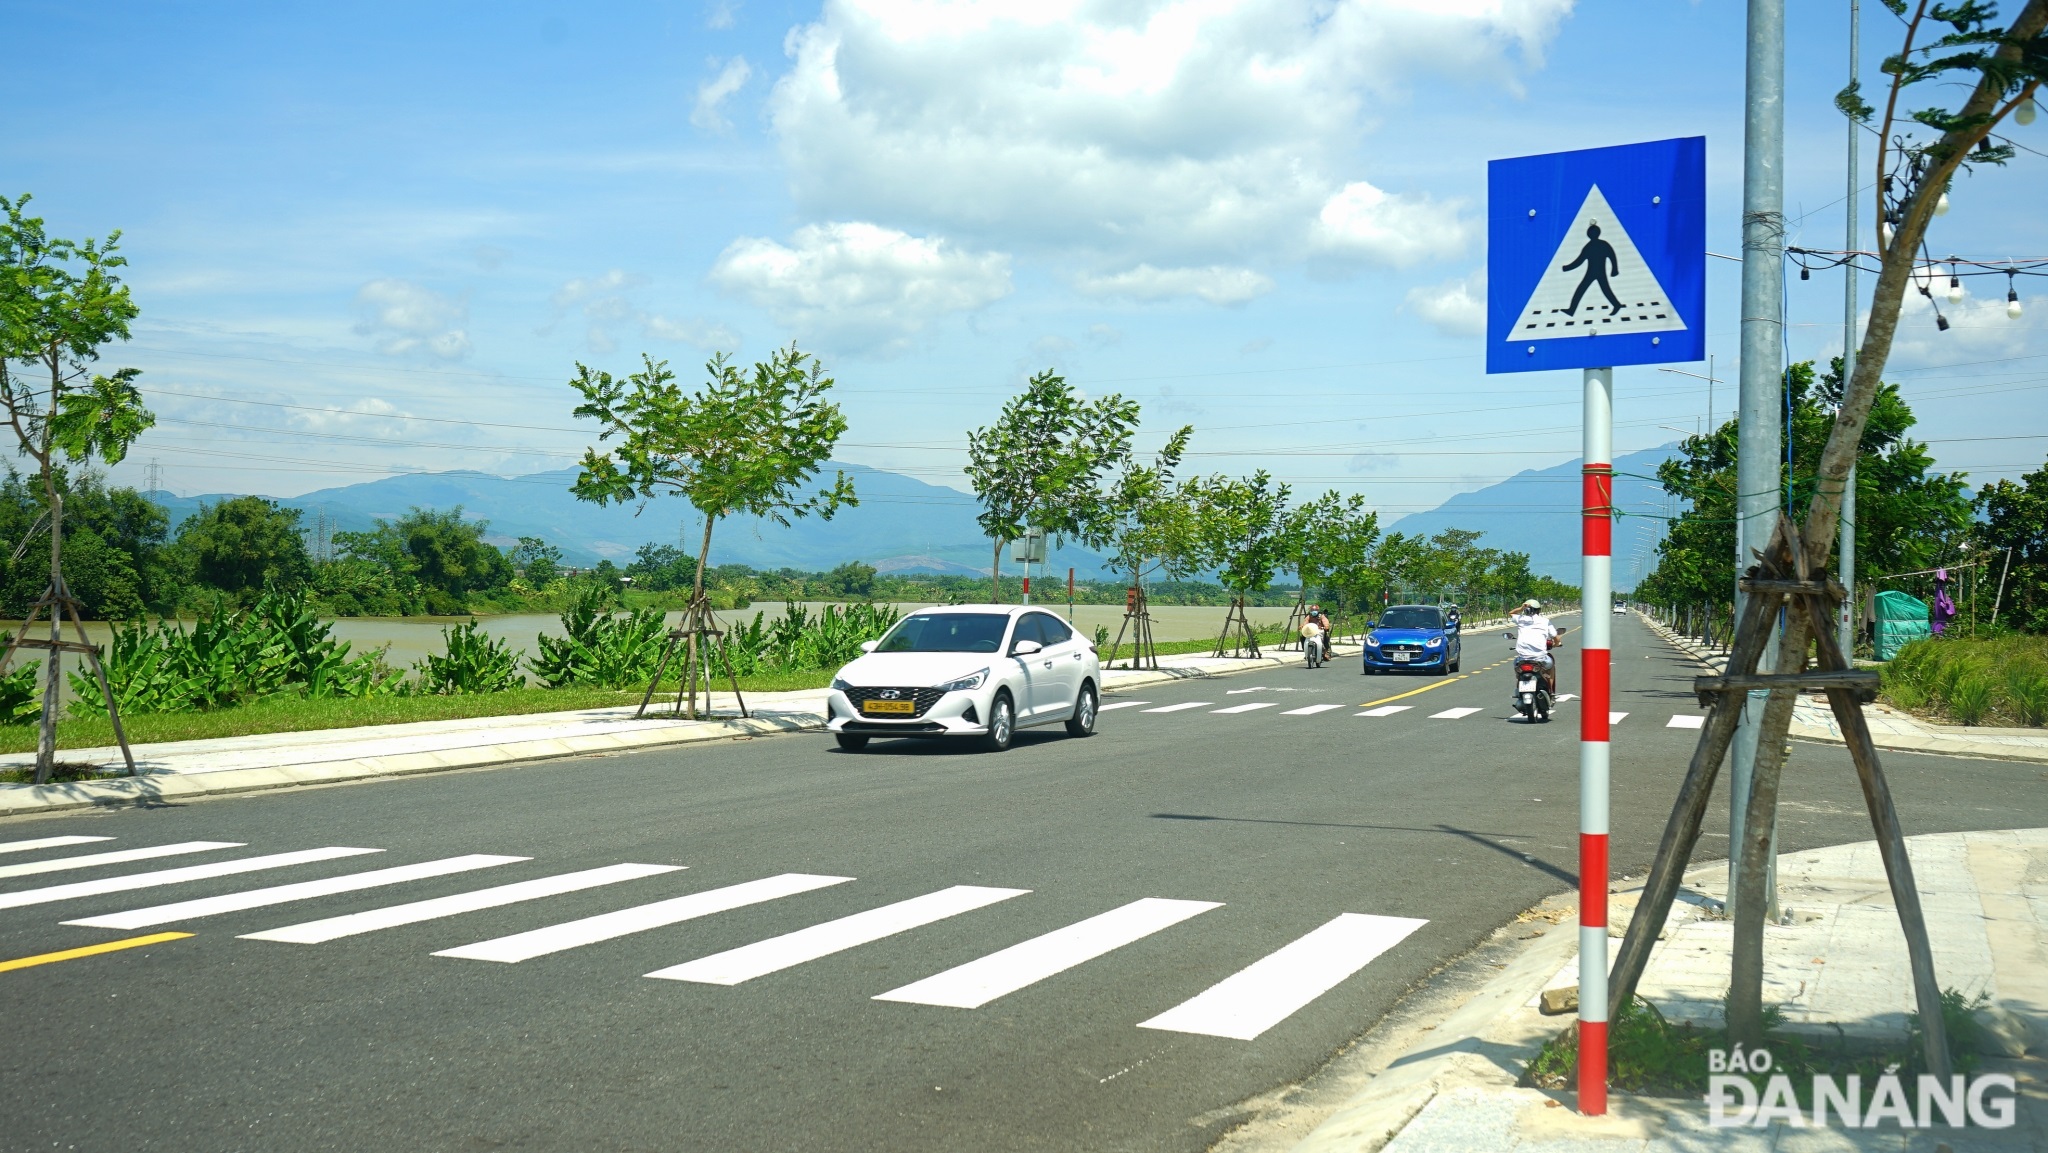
{"points": [[1535, 636]]}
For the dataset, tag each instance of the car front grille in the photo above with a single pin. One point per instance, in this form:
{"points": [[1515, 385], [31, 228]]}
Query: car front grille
{"points": [[1402, 649], [924, 699]]}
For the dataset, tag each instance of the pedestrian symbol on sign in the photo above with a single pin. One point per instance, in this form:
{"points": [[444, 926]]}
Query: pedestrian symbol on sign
{"points": [[1596, 252]]}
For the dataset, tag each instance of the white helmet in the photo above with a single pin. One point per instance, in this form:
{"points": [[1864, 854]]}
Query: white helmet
{"points": [[1532, 605]]}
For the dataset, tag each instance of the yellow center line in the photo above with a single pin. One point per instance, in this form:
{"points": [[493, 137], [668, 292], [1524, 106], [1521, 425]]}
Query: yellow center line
{"points": [[89, 951], [1413, 692]]}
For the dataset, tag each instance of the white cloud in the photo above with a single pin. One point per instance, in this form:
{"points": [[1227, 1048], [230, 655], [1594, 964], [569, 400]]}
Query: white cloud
{"points": [[1978, 327], [707, 115], [1363, 222], [1175, 133], [860, 286], [1456, 307], [1104, 335], [1215, 284], [405, 317], [605, 307], [721, 14]]}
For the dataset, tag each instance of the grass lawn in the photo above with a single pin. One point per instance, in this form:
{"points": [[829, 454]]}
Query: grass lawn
{"points": [[292, 715]]}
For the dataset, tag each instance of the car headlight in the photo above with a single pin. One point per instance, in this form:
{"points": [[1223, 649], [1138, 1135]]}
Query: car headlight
{"points": [[1372, 640], [1434, 642], [841, 685], [970, 681]]}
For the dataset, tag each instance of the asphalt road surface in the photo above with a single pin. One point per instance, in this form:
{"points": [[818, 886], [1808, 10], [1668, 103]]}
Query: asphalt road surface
{"points": [[1227, 891]]}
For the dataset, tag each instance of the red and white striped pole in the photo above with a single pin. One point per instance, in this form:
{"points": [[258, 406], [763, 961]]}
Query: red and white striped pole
{"points": [[1596, 591]]}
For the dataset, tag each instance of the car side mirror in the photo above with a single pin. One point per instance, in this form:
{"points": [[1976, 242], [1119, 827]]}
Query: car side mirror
{"points": [[1025, 648], [869, 646]]}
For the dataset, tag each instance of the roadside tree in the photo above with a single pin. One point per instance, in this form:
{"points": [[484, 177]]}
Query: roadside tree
{"points": [[61, 301], [1243, 527], [243, 545], [1041, 463], [538, 562], [1330, 543]]}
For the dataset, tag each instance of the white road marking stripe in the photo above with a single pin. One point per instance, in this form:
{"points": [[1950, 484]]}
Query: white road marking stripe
{"points": [[46, 843], [1385, 711], [1120, 705], [118, 857], [1310, 711], [1180, 706], [1562, 698], [369, 921], [1253, 689], [1276, 986], [978, 982], [1682, 721], [1454, 714], [300, 891], [605, 926], [1615, 718], [1246, 708], [173, 876], [778, 953]]}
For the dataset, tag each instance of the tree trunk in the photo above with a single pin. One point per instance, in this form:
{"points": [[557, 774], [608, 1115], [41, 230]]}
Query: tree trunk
{"points": [[46, 739], [693, 620], [995, 575]]}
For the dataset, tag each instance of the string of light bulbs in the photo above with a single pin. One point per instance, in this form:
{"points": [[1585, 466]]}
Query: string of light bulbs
{"points": [[1926, 272]]}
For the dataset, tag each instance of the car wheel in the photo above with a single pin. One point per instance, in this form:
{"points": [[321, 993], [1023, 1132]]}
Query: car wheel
{"points": [[1002, 723], [1082, 723], [851, 742], [1457, 661]]}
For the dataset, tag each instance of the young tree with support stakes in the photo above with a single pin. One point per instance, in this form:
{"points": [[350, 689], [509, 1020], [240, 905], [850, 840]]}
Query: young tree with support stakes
{"points": [[1330, 541], [2001, 68], [743, 442], [1145, 526], [59, 302], [1041, 463], [1243, 529]]}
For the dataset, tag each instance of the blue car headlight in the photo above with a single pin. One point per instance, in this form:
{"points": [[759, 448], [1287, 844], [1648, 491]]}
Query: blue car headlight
{"points": [[970, 681], [1434, 642], [1372, 640]]}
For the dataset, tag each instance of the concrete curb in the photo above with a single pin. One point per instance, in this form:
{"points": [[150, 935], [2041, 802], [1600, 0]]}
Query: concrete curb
{"points": [[156, 787], [1934, 742]]}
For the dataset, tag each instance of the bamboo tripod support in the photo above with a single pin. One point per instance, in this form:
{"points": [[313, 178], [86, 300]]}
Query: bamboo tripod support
{"points": [[1779, 581], [1295, 616], [1138, 622], [1236, 624], [698, 625], [57, 598]]}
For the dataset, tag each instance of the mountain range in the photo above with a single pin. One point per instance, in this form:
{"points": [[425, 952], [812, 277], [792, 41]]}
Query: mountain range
{"points": [[907, 525]]}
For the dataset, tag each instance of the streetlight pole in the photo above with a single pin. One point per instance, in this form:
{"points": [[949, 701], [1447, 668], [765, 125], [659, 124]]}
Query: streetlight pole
{"points": [[1846, 628], [1762, 384], [1711, 381]]}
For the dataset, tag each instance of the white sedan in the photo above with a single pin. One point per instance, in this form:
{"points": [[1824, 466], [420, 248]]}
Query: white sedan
{"points": [[981, 671]]}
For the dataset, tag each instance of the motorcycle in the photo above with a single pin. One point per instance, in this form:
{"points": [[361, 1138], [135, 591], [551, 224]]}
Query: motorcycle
{"points": [[1316, 650], [1532, 690]]}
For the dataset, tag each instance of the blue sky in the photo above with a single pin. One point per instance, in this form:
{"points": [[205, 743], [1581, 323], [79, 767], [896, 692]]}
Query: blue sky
{"points": [[369, 238]]}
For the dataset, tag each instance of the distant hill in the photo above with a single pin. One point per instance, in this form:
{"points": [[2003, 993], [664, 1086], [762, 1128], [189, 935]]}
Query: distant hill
{"points": [[1537, 512], [901, 522]]}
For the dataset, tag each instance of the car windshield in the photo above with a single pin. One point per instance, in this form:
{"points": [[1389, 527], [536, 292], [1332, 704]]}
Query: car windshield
{"points": [[946, 633], [1411, 618]]}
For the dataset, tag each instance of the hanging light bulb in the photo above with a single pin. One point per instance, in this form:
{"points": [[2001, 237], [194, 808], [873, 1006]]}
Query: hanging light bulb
{"points": [[2012, 298], [2024, 114], [1884, 234], [1804, 274], [1941, 205], [1955, 287], [1941, 322]]}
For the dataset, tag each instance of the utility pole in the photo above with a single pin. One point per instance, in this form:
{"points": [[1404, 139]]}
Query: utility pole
{"points": [[1761, 405], [1847, 628]]}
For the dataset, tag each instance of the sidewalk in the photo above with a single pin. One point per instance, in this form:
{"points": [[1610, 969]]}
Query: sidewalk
{"points": [[1839, 965], [1813, 720], [186, 769]]}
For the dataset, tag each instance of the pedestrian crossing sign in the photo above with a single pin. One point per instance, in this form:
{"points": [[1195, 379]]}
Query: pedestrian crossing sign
{"points": [[1597, 258]]}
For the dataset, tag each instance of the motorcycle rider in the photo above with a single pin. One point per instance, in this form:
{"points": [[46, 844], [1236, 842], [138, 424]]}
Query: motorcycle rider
{"points": [[1535, 636], [1322, 623]]}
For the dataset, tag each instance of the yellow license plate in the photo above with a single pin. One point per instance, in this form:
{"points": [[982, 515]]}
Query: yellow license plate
{"points": [[906, 707]]}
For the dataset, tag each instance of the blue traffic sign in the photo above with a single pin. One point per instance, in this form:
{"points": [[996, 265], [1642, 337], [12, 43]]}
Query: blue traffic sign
{"points": [[1597, 258]]}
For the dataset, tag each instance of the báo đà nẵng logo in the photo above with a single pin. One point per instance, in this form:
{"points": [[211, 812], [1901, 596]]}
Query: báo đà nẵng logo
{"points": [[1986, 1101]]}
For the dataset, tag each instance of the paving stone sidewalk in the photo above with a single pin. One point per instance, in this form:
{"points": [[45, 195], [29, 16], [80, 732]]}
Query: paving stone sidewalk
{"points": [[1838, 966]]}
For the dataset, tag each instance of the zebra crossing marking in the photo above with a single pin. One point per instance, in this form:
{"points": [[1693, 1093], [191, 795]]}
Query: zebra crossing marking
{"points": [[1278, 985], [619, 923], [1615, 718], [1310, 711], [791, 949], [1562, 698], [1255, 705], [134, 881], [976, 983], [117, 857], [299, 891], [46, 843], [1120, 705], [1385, 711], [1454, 714], [1179, 707], [1683, 721], [349, 925], [1253, 689]]}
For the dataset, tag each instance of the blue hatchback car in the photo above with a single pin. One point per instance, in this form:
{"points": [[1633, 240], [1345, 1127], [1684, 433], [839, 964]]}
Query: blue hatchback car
{"points": [[1413, 637]]}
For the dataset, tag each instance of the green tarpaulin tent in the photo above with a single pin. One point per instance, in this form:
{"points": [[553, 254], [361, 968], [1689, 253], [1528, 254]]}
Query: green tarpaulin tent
{"points": [[1901, 619]]}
